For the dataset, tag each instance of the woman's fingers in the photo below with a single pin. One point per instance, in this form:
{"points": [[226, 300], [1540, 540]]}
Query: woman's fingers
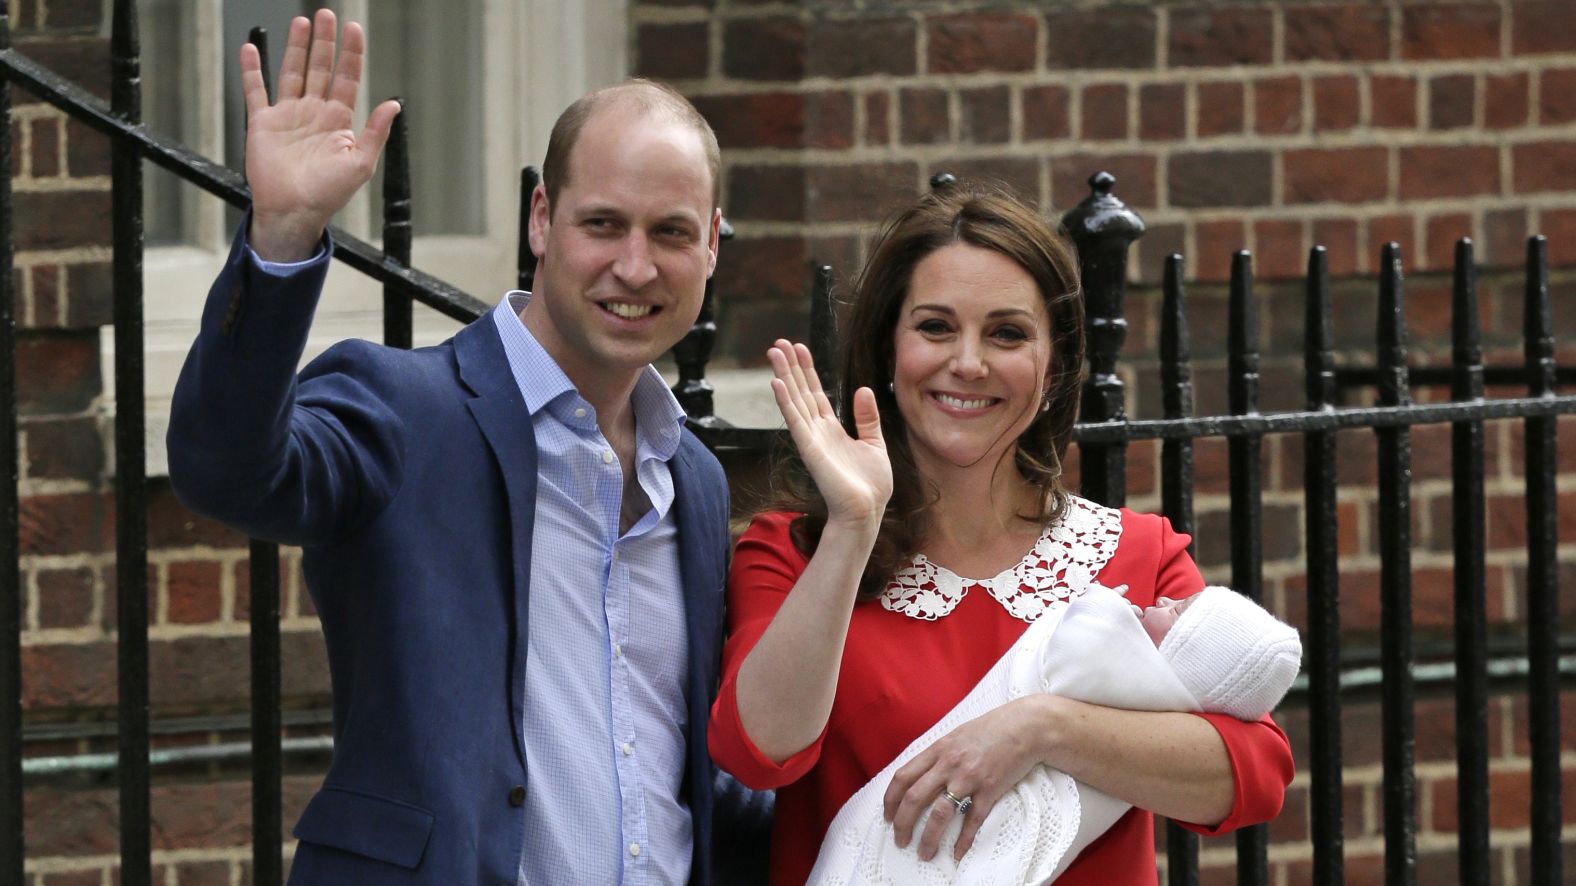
{"points": [[924, 791], [978, 811], [867, 418], [942, 811]]}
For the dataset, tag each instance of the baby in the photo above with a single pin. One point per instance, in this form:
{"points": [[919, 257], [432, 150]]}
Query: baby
{"points": [[1215, 651]]}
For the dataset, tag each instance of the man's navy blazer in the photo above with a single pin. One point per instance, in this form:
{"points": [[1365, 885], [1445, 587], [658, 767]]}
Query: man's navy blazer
{"points": [[409, 480]]}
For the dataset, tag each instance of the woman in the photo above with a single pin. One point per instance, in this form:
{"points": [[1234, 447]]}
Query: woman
{"points": [[872, 602]]}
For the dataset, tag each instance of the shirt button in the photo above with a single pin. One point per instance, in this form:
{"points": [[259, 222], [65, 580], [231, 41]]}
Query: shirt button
{"points": [[580, 413], [634, 850], [618, 651], [517, 795], [607, 456], [628, 748]]}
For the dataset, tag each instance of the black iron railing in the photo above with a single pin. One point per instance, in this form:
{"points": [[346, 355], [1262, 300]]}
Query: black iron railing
{"points": [[1103, 229]]}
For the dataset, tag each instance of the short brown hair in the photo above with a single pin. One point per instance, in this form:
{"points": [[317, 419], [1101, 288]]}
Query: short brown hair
{"points": [[989, 218], [647, 95]]}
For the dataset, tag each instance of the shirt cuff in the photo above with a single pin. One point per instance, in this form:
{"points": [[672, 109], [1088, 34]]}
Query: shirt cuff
{"points": [[286, 268]]}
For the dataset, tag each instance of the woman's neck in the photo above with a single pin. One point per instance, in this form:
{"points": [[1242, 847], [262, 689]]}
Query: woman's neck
{"points": [[979, 506]]}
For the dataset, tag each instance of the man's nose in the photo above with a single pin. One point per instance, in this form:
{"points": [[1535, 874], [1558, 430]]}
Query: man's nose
{"points": [[634, 266]]}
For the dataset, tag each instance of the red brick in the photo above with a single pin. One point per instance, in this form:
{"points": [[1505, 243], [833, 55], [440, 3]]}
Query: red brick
{"points": [[75, 15], [747, 328], [1337, 175], [766, 193], [1215, 243], [1220, 178], [57, 373], [756, 120], [65, 597], [1393, 102], [1559, 226], [1504, 100], [45, 149], [64, 449], [1278, 249], [1046, 113], [770, 48], [1162, 111], [1103, 38], [1443, 31], [91, 302], [1444, 171], [986, 115], [673, 52], [1336, 33], [1451, 101], [1540, 26], [170, 525], [1135, 178], [1339, 237], [1219, 108], [1442, 232], [1556, 103], [87, 151], [926, 120], [1336, 103], [47, 296], [61, 219], [203, 873], [1104, 111], [857, 47], [829, 120], [1159, 242], [878, 118], [968, 43], [1504, 237], [762, 267], [1212, 37], [242, 573], [1384, 229], [83, 60], [193, 589], [1277, 105], [1543, 166], [92, 877]]}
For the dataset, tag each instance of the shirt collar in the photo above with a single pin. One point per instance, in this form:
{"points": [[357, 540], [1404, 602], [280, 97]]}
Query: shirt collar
{"points": [[544, 386]]}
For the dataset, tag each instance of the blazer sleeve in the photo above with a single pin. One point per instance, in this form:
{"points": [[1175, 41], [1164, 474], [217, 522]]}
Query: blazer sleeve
{"points": [[295, 460], [765, 567]]}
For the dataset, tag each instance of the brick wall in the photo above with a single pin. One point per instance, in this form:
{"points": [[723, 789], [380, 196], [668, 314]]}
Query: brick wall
{"points": [[1271, 126]]}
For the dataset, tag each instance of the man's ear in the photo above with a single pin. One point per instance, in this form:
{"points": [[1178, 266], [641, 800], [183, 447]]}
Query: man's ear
{"points": [[714, 239], [541, 219]]}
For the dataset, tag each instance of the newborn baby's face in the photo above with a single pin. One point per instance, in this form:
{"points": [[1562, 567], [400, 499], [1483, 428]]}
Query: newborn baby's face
{"points": [[1158, 619]]}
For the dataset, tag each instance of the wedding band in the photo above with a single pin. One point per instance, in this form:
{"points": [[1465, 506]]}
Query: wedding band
{"points": [[962, 803]]}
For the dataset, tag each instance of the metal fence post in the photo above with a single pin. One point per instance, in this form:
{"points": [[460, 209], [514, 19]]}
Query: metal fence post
{"points": [[1102, 228]]}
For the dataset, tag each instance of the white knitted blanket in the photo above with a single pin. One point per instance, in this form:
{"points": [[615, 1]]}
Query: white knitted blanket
{"points": [[1101, 655]]}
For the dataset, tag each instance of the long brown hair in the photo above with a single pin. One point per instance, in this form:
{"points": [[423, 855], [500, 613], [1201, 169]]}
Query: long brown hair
{"points": [[991, 219]]}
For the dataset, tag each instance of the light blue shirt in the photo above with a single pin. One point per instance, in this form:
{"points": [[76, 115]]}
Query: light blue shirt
{"points": [[607, 657]]}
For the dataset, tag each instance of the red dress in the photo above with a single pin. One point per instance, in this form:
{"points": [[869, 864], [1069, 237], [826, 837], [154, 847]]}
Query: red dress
{"points": [[913, 653]]}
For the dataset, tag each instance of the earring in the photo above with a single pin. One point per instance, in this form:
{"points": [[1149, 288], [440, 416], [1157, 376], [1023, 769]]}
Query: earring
{"points": [[892, 388], [1045, 401]]}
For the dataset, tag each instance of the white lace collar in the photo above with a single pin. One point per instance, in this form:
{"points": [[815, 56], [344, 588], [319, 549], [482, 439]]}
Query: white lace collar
{"points": [[1059, 567]]}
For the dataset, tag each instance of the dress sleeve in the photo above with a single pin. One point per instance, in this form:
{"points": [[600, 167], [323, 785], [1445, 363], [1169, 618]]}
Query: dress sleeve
{"points": [[765, 567], [1260, 753]]}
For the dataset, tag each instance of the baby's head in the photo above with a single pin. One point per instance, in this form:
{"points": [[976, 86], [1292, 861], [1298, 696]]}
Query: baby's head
{"points": [[1228, 651]]}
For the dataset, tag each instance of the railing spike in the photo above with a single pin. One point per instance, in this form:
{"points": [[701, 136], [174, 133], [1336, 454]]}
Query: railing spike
{"points": [[397, 306]]}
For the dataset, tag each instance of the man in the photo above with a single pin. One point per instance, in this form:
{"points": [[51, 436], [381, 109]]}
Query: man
{"points": [[516, 550]]}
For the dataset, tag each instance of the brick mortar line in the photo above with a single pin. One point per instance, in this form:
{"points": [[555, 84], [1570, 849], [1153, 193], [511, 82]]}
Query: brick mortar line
{"points": [[31, 258], [85, 636], [1078, 78], [61, 183]]}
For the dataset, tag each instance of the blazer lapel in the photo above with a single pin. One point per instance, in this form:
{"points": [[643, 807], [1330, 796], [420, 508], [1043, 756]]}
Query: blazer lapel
{"points": [[504, 422]]}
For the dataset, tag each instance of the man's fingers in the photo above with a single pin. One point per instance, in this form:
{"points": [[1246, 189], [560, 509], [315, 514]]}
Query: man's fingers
{"points": [[347, 75], [320, 61], [375, 134], [252, 87], [292, 68]]}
